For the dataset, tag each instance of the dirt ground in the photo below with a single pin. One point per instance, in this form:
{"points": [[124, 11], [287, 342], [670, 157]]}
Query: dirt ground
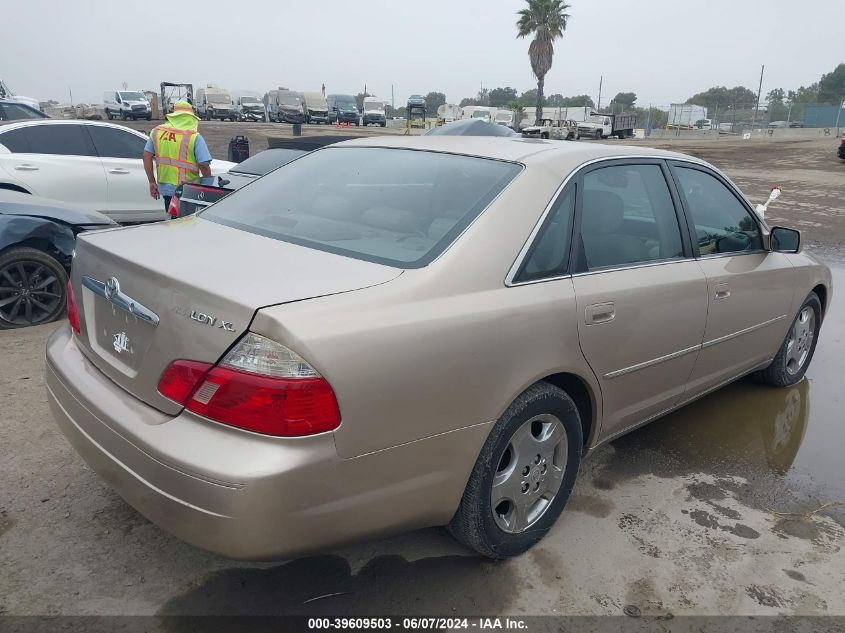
{"points": [[689, 515]]}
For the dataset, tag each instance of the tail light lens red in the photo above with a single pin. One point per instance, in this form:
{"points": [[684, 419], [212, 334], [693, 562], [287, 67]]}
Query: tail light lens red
{"points": [[72, 309], [260, 386]]}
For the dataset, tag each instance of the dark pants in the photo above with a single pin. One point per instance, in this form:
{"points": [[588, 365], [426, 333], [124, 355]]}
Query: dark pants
{"points": [[166, 202]]}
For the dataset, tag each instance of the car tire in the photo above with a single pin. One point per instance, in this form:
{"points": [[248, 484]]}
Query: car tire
{"points": [[149, 117], [535, 444], [46, 302], [109, 115], [383, 124], [795, 353], [122, 116], [597, 135]]}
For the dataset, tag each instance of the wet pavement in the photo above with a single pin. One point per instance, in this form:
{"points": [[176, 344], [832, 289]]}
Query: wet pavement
{"points": [[701, 512]]}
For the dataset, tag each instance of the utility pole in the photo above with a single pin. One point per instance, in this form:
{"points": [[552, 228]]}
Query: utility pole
{"points": [[71, 95], [839, 112], [392, 99], [759, 90], [648, 122], [598, 105]]}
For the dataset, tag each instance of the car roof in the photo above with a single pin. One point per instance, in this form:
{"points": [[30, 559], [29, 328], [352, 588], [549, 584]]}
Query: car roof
{"points": [[27, 122], [556, 154]]}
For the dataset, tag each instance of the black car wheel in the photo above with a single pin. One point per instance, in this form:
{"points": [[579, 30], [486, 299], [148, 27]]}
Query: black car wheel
{"points": [[523, 476], [109, 115], [32, 288]]}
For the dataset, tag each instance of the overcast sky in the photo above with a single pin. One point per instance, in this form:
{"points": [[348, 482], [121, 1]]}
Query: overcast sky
{"points": [[664, 50]]}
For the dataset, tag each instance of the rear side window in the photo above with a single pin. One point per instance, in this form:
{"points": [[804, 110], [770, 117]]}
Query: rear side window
{"points": [[15, 141], [391, 206], [722, 223], [549, 255], [628, 217], [70, 140], [112, 143]]}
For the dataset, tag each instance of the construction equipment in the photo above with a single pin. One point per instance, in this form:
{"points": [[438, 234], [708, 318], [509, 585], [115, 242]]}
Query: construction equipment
{"points": [[173, 92]]}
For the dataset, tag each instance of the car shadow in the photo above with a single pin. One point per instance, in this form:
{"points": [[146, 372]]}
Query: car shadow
{"points": [[328, 586]]}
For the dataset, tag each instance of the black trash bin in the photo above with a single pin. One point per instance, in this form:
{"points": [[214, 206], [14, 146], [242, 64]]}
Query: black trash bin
{"points": [[297, 129], [238, 149]]}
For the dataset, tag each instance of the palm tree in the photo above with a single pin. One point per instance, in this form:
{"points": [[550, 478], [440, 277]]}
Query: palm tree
{"points": [[546, 19]]}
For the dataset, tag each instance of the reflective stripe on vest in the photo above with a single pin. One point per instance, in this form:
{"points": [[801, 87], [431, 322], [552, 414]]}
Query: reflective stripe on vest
{"points": [[174, 153]]}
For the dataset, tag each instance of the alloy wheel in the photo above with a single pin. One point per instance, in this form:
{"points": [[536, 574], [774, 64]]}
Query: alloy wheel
{"points": [[29, 293]]}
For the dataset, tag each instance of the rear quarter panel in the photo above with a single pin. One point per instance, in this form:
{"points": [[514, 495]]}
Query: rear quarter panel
{"points": [[443, 347]]}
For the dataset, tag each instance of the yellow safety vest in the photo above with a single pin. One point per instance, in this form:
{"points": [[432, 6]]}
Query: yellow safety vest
{"points": [[174, 154]]}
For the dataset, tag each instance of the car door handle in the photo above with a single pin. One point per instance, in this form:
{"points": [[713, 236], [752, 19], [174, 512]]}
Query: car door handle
{"points": [[26, 167], [119, 171], [722, 291], [600, 313]]}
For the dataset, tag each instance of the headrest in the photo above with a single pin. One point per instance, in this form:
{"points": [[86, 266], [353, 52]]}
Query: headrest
{"points": [[602, 212]]}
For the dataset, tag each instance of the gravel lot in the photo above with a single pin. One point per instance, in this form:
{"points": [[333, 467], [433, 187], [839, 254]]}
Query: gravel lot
{"points": [[679, 517]]}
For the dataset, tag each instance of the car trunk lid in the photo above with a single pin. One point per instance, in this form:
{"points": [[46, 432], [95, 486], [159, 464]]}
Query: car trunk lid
{"points": [[188, 289]]}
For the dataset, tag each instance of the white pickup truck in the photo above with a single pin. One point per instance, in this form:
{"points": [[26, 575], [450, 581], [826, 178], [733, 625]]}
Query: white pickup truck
{"points": [[601, 126]]}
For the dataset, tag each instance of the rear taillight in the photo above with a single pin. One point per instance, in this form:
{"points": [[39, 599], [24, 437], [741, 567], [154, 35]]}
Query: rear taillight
{"points": [[181, 378], [173, 207], [260, 386], [72, 309]]}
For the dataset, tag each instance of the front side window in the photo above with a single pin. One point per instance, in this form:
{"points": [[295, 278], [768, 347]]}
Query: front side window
{"points": [[722, 223], [112, 143], [628, 217], [549, 255], [68, 140], [392, 206]]}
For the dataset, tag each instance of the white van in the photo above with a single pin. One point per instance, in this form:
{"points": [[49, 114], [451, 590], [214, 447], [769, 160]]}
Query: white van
{"points": [[212, 102], [127, 104]]}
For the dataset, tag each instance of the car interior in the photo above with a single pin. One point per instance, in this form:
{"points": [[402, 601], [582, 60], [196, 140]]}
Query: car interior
{"points": [[628, 217], [382, 208]]}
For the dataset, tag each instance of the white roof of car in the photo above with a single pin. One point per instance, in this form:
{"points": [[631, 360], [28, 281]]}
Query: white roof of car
{"points": [[27, 122]]}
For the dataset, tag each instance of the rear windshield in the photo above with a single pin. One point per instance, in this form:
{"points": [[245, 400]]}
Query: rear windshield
{"points": [[391, 206], [266, 161]]}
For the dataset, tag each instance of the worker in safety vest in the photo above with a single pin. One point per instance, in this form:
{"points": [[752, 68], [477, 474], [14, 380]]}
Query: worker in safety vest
{"points": [[180, 153]]}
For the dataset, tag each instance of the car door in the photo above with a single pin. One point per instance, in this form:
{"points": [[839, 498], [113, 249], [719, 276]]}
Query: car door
{"points": [[128, 194], [641, 297], [750, 290], [55, 160]]}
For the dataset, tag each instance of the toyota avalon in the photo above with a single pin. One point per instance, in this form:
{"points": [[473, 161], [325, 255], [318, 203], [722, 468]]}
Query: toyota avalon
{"points": [[388, 334]]}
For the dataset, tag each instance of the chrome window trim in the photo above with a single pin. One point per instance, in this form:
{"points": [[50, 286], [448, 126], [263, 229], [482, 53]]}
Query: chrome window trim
{"points": [[733, 254], [514, 269]]}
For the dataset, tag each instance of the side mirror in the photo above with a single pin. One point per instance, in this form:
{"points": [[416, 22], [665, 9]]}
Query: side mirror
{"points": [[785, 240]]}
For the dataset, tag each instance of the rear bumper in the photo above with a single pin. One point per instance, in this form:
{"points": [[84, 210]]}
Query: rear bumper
{"points": [[244, 495]]}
